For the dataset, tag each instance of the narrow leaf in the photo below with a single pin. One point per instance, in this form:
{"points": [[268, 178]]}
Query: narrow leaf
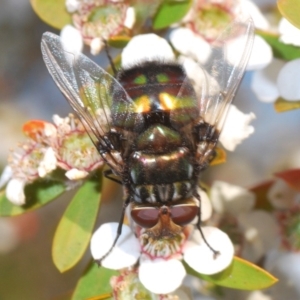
{"points": [[241, 274], [37, 194], [282, 105], [170, 12], [290, 10], [291, 177], [143, 13], [52, 12], [94, 282], [280, 50], [74, 230]]}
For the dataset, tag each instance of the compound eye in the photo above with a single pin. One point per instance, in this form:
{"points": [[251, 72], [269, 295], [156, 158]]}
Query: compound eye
{"points": [[183, 214], [146, 217]]}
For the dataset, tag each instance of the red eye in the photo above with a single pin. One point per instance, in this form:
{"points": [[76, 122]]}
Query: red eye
{"points": [[146, 217], [184, 214]]}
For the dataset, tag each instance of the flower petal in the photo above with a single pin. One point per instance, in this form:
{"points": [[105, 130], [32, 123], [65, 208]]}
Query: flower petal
{"points": [[146, 47], [201, 258], [285, 265], [15, 191], [229, 198], [261, 54], [282, 196], [206, 207], [48, 164], [288, 80], [236, 128], [260, 232], [125, 253], [161, 276], [190, 44], [130, 17], [264, 81], [96, 45], [75, 174], [289, 34], [5, 176], [258, 18], [72, 5], [71, 40]]}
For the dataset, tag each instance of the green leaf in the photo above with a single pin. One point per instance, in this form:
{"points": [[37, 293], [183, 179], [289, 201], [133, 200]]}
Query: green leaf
{"points": [[290, 10], [143, 13], [74, 230], [170, 12], [52, 12], [241, 275], [94, 282], [282, 105], [280, 50], [37, 194]]}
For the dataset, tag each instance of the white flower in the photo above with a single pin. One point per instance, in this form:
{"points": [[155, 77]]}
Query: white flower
{"points": [[130, 18], [279, 79], [264, 81], [146, 47], [96, 45], [71, 40], [196, 248], [124, 254], [288, 80], [72, 5], [261, 54], [95, 24], [285, 266], [236, 128], [48, 163], [15, 191], [289, 34], [258, 18], [226, 197], [74, 150], [257, 228], [158, 274], [282, 196], [5, 176], [190, 44], [75, 174]]}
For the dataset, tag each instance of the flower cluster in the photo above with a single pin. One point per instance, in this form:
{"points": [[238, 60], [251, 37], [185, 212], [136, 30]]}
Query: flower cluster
{"points": [[97, 21], [278, 78], [64, 144], [160, 268]]}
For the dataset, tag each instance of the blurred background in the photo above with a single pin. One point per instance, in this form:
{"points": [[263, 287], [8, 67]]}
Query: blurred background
{"points": [[28, 92]]}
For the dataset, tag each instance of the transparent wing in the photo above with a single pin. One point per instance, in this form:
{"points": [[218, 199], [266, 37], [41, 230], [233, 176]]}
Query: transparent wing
{"points": [[225, 69], [216, 81], [87, 87]]}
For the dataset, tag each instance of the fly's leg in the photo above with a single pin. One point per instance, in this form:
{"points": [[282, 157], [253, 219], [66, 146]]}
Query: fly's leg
{"points": [[119, 231], [107, 174], [215, 252]]}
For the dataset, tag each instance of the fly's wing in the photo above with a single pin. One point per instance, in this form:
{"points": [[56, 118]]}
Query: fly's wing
{"points": [[87, 87], [216, 81], [225, 69]]}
